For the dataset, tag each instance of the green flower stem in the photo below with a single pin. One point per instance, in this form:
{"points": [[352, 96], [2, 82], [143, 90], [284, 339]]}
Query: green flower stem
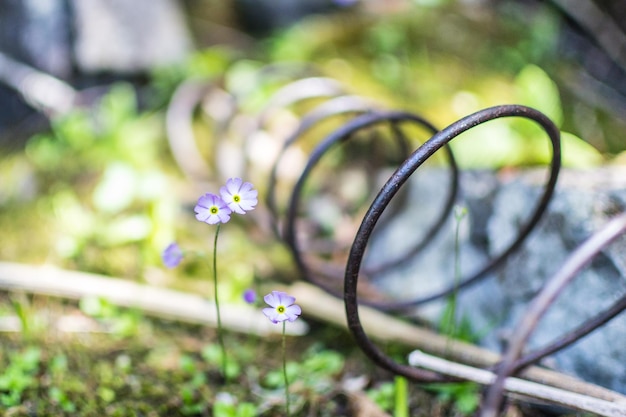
{"points": [[220, 336], [459, 214], [457, 269], [285, 374]]}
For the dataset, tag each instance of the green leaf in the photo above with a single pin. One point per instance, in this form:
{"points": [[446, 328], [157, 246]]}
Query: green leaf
{"points": [[324, 362], [246, 410], [536, 89], [576, 153], [116, 189], [224, 409], [383, 395], [464, 395], [106, 394], [118, 106]]}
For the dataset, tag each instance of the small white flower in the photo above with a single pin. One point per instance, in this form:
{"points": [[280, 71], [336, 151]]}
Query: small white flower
{"points": [[239, 196], [212, 210], [282, 307]]}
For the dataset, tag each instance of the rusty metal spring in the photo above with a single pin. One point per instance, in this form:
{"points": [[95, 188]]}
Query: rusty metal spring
{"points": [[362, 116]]}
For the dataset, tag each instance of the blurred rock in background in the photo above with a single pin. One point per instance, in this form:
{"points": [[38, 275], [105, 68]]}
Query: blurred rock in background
{"points": [[35, 33], [128, 37], [83, 43], [497, 207]]}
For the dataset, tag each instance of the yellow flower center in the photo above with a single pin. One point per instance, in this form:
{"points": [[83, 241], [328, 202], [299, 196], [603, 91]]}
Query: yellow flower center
{"points": [[280, 309], [236, 198], [214, 210]]}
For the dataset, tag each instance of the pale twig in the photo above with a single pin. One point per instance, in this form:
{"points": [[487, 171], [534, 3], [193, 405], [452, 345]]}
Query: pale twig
{"points": [[379, 326], [159, 302], [42, 91], [519, 386]]}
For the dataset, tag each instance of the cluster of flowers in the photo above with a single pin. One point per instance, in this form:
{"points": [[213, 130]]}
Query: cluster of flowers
{"points": [[239, 197], [236, 196]]}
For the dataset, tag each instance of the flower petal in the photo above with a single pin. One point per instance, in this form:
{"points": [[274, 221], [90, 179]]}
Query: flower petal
{"points": [[233, 185], [239, 196], [245, 187], [271, 299], [292, 312], [271, 314], [285, 299]]}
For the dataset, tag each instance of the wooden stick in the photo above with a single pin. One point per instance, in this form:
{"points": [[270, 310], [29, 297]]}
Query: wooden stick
{"points": [[159, 302]]}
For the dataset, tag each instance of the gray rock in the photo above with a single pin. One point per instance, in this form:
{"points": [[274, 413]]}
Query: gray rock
{"points": [[71, 40], [37, 32], [129, 36], [583, 202], [34, 32]]}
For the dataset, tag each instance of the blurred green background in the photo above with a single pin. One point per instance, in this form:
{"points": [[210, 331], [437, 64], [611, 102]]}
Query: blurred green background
{"points": [[94, 186]]}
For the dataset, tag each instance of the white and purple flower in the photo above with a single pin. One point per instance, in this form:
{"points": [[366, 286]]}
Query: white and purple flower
{"points": [[212, 209], [281, 308], [239, 196]]}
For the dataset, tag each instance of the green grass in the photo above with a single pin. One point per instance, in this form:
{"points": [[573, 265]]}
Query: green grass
{"points": [[165, 368]]}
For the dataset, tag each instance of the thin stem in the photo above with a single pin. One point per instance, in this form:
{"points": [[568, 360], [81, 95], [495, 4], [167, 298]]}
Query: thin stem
{"points": [[220, 336], [285, 373], [459, 213], [401, 398]]}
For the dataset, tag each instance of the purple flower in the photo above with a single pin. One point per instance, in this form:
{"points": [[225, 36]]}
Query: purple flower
{"points": [[282, 307], [172, 255], [212, 210], [240, 196], [249, 296]]}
